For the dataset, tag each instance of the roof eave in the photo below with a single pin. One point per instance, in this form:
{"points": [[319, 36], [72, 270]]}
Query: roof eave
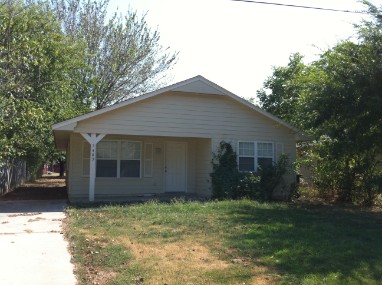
{"points": [[125, 103], [70, 125]]}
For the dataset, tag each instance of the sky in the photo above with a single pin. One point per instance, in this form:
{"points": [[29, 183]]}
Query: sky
{"points": [[236, 44]]}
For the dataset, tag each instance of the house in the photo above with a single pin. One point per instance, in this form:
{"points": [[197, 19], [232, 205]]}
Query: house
{"points": [[162, 142]]}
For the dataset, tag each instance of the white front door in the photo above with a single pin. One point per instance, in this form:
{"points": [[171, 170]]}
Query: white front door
{"points": [[175, 167]]}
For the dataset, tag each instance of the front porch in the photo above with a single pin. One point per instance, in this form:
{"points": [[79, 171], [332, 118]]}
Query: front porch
{"points": [[122, 168]]}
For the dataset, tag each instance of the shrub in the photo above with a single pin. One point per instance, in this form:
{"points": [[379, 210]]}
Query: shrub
{"points": [[249, 186], [271, 176], [224, 176], [342, 175], [229, 183]]}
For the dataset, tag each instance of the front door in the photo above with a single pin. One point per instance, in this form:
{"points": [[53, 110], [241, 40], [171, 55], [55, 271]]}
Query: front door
{"points": [[175, 167]]}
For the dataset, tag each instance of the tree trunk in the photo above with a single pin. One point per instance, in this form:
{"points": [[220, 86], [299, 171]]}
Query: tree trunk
{"points": [[62, 167]]}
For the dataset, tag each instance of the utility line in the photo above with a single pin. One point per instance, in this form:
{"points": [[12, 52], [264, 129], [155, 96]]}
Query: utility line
{"points": [[300, 6]]}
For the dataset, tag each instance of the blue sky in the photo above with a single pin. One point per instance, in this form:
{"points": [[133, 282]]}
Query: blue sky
{"points": [[235, 44]]}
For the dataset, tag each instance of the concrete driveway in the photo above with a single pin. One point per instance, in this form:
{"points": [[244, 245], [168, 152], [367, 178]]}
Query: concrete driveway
{"points": [[33, 250]]}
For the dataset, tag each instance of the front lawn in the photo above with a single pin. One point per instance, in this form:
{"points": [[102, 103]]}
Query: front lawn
{"points": [[229, 242]]}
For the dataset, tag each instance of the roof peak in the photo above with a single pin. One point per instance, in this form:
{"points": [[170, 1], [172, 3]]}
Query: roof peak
{"points": [[196, 84]]}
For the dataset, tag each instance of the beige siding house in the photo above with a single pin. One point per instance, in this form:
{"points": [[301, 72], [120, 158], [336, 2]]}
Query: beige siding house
{"points": [[162, 142]]}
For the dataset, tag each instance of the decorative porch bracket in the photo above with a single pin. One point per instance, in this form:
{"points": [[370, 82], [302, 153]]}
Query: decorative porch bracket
{"points": [[92, 139]]}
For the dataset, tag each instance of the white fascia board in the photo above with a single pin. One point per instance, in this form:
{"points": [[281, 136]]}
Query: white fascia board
{"points": [[64, 127], [200, 86]]}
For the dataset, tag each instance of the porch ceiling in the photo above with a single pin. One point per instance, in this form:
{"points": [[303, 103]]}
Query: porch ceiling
{"points": [[62, 139]]}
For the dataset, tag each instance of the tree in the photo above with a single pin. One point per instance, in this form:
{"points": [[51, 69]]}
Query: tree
{"points": [[346, 102], [37, 64], [281, 92], [337, 99], [124, 57]]}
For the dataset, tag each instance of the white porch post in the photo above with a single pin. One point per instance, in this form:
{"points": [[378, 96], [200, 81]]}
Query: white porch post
{"points": [[92, 139]]}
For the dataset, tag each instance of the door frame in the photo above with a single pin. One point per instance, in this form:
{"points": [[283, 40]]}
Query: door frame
{"points": [[185, 166]]}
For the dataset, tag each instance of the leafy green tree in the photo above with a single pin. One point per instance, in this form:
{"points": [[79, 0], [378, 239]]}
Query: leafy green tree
{"points": [[281, 91], [124, 57], [337, 99], [37, 75], [346, 104]]}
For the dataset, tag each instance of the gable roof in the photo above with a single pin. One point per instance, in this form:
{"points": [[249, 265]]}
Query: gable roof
{"points": [[197, 84]]}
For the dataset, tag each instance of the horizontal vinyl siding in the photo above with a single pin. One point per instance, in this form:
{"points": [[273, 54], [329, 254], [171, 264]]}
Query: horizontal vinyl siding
{"points": [[203, 169], [79, 184], [130, 186], [68, 168], [191, 166], [185, 115]]}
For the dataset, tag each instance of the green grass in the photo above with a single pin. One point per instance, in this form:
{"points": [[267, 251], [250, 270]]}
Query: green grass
{"points": [[228, 242]]}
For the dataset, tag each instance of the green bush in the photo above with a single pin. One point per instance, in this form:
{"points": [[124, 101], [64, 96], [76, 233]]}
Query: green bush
{"points": [[249, 186], [229, 183], [342, 174], [224, 176], [271, 176]]}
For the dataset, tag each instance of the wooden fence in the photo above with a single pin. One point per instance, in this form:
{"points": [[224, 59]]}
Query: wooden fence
{"points": [[12, 174]]}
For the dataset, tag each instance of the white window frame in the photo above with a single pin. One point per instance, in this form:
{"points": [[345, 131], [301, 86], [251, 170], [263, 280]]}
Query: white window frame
{"points": [[118, 158], [255, 156], [270, 156]]}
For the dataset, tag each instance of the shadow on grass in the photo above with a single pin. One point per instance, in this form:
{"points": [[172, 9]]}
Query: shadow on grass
{"points": [[311, 242]]}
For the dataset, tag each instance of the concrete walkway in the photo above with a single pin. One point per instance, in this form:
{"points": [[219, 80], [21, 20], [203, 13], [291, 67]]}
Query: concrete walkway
{"points": [[33, 250]]}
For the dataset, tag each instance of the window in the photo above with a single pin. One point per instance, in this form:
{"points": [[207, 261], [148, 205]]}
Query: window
{"points": [[107, 159], [117, 159], [264, 154], [130, 159], [148, 161], [253, 155], [85, 159], [246, 156]]}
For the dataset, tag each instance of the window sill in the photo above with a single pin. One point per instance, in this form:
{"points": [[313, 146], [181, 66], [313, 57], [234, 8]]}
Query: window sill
{"points": [[87, 176]]}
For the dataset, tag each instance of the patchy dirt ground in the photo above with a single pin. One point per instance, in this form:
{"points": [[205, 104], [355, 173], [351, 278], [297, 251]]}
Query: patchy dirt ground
{"points": [[48, 187]]}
